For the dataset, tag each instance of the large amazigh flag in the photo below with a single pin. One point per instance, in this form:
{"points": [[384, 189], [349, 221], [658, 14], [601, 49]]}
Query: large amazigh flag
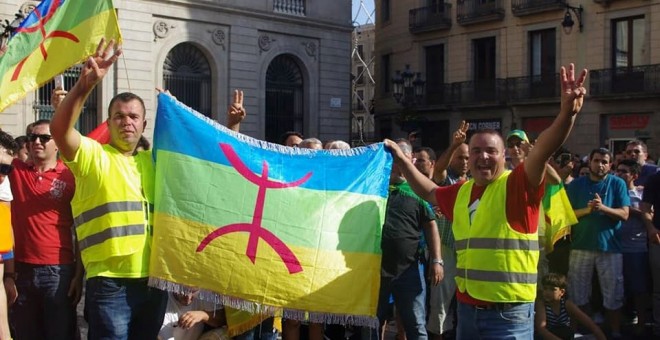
{"points": [[56, 35], [558, 215], [267, 228]]}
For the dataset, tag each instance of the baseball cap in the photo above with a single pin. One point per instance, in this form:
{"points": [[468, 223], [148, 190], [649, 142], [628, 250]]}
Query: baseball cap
{"points": [[518, 133]]}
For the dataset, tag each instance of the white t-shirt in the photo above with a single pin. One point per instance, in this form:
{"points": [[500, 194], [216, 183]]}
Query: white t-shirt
{"points": [[5, 191], [170, 329]]}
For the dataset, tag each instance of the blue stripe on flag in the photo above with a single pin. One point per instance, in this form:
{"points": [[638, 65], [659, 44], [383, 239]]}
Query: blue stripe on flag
{"points": [[180, 129]]}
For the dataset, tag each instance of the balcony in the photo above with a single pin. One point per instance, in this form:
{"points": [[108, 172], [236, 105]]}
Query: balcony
{"points": [[477, 11], [533, 89], [438, 95], [479, 93], [290, 7], [526, 7], [430, 18], [625, 82]]}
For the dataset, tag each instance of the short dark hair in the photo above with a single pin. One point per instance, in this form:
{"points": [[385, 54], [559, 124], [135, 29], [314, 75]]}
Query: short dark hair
{"points": [[636, 142], [428, 151], [288, 134], [8, 142], [40, 122], [488, 132], [600, 151], [554, 280], [126, 97], [634, 167]]}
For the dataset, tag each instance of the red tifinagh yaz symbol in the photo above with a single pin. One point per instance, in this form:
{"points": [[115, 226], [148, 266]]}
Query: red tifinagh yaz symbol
{"points": [[41, 27], [254, 228]]}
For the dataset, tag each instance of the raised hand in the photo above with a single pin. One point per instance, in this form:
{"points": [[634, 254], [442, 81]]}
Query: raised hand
{"points": [[461, 134], [57, 96], [236, 112], [98, 65], [572, 90]]}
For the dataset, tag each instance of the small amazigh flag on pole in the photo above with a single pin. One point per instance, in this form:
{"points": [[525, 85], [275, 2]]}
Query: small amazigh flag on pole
{"points": [[266, 228], [56, 35]]}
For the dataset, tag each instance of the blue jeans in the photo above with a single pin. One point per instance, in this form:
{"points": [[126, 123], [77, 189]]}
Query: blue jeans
{"points": [[43, 310], [409, 292], [122, 309], [263, 331], [511, 322]]}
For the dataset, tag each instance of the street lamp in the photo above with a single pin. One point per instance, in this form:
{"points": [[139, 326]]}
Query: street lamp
{"points": [[408, 90], [568, 22], [408, 87]]}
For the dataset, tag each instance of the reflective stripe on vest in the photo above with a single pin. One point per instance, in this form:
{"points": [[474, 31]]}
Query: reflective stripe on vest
{"points": [[109, 233], [497, 243], [496, 276], [107, 208]]}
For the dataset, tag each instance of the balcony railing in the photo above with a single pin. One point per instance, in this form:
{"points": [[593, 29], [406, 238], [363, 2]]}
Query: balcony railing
{"points": [[291, 7], [637, 81], [430, 18], [533, 88], [477, 11], [480, 92], [527, 7]]}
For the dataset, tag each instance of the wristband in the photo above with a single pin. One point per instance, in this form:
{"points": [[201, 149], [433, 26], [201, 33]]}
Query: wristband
{"points": [[438, 261]]}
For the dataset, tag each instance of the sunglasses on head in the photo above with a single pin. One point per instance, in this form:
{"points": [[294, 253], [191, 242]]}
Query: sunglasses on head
{"points": [[42, 137]]}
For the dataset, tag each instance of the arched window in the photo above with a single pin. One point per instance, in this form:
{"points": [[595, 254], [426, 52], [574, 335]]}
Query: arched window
{"points": [[187, 75], [284, 97]]}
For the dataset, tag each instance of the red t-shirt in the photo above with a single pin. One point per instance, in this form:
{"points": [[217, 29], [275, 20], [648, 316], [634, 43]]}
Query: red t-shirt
{"points": [[522, 208], [41, 214]]}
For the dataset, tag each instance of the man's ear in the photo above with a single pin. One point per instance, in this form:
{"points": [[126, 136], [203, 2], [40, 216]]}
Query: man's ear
{"points": [[144, 125]]}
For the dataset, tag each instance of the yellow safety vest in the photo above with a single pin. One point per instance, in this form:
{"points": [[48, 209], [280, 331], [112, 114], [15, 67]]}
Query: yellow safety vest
{"points": [[494, 262], [117, 219]]}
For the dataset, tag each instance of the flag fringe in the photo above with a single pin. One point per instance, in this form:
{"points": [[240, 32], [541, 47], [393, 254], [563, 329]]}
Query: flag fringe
{"points": [[257, 308]]}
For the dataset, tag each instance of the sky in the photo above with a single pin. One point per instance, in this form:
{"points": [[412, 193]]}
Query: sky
{"points": [[359, 14]]}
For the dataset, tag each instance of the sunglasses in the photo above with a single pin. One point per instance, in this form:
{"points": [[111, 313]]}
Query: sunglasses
{"points": [[516, 144], [5, 169], [43, 138]]}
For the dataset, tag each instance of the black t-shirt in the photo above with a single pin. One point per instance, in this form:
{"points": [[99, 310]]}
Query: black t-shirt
{"points": [[404, 220], [652, 196]]}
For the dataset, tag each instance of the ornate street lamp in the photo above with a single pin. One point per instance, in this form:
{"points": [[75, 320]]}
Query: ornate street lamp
{"points": [[568, 22], [408, 87]]}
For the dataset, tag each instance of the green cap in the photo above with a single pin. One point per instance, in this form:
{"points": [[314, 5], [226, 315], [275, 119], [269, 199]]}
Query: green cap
{"points": [[518, 133]]}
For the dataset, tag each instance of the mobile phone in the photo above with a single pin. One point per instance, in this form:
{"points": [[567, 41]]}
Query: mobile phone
{"points": [[59, 81]]}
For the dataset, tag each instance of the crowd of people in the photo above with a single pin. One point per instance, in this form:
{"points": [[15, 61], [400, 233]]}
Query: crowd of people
{"points": [[461, 252]]}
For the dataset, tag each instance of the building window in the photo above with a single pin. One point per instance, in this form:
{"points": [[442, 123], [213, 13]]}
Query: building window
{"points": [[542, 53], [628, 40], [385, 10], [88, 118], [484, 68], [284, 97], [360, 101], [484, 59], [435, 74], [385, 75], [360, 75], [187, 75], [360, 51]]}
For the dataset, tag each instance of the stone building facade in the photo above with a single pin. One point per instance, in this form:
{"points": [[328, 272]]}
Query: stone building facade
{"points": [[495, 63], [290, 57]]}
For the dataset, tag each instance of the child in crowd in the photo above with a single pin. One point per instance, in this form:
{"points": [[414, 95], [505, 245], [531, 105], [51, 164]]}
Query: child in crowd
{"points": [[556, 317], [186, 316]]}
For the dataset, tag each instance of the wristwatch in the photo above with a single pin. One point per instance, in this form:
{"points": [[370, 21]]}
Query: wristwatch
{"points": [[12, 275], [438, 261]]}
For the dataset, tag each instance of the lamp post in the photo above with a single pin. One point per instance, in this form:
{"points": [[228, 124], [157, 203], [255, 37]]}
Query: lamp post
{"points": [[408, 89], [568, 22]]}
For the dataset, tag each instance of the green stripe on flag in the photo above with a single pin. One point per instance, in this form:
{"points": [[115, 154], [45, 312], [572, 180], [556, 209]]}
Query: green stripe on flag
{"points": [[296, 216]]}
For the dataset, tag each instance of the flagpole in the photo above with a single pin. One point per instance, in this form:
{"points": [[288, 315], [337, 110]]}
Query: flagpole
{"points": [[128, 81]]}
